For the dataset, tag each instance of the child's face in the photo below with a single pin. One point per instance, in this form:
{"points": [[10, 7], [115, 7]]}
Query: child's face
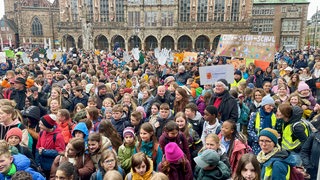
{"points": [[109, 163], [92, 104], [70, 151], [116, 115], [226, 129], [181, 122], [141, 169], [5, 163], [93, 146], [173, 134], [61, 175], [54, 105], [134, 121], [207, 116], [13, 140], [108, 115], [294, 100], [107, 104], [248, 172], [144, 135], [154, 110], [79, 134], [128, 139], [78, 109], [211, 144], [164, 113], [189, 113]]}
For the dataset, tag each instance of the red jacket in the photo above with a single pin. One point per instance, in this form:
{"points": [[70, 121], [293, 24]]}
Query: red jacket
{"points": [[46, 140], [66, 130]]}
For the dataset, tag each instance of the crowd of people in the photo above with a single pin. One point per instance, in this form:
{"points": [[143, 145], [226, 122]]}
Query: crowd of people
{"points": [[95, 116]]}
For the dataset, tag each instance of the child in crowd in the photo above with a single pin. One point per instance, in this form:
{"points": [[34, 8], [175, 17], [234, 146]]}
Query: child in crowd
{"points": [[65, 124], [126, 150], [66, 171], [97, 144], [119, 119], [108, 113], [209, 166], [155, 108], [78, 108], [13, 137], [171, 133], [194, 117], [81, 131], [136, 121], [108, 162], [211, 124], [248, 168], [93, 115], [106, 129], [107, 105], [148, 144], [50, 143], [212, 141], [10, 164], [164, 116], [235, 143], [192, 136], [142, 167], [175, 165], [92, 101]]}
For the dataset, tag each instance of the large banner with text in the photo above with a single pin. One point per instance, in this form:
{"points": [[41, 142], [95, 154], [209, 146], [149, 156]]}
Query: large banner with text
{"points": [[247, 46]]}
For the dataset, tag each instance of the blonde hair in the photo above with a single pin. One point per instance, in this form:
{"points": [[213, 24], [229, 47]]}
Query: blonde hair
{"points": [[57, 89], [214, 137], [113, 175]]}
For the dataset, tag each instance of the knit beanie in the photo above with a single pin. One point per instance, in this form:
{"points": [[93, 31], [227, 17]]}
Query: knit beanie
{"points": [[49, 120], [212, 110], [173, 152], [238, 72], [32, 112], [14, 132], [303, 86], [224, 83], [270, 133], [128, 131], [141, 110], [267, 100]]}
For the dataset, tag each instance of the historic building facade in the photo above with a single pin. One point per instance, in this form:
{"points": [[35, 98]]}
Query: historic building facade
{"points": [[312, 37], [285, 19], [174, 24]]}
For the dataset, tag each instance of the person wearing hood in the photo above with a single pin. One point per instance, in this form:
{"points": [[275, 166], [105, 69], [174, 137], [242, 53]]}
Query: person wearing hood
{"points": [[275, 163], [194, 117], [237, 79], [81, 130], [295, 131], [263, 118], [17, 93], [163, 96], [257, 79], [102, 94], [275, 75], [209, 166], [224, 102], [50, 143]]}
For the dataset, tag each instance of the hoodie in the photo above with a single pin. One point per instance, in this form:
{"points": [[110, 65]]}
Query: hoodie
{"points": [[256, 79], [5, 128], [220, 172], [197, 123], [81, 126], [279, 163]]}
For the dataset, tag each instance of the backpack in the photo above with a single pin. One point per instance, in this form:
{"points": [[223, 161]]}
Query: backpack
{"points": [[295, 173], [54, 136], [307, 124], [7, 93]]}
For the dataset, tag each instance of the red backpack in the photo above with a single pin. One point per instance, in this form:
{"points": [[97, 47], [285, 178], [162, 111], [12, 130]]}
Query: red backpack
{"points": [[296, 173]]}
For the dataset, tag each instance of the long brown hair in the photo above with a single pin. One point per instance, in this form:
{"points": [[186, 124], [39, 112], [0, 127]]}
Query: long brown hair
{"points": [[246, 159], [106, 129], [186, 128], [180, 105]]}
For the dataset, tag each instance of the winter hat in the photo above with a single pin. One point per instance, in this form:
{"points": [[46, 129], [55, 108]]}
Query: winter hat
{"points": [[251, 85], [88, 87], [303, 86], [270, 133], [127, 90], [14, 132], [224, 83], [128, 130], [267, 100], [212, 110], [49, 120], [20, 80], [207, 158], [288, 69], [276, 72], [32, 112], [141, 109], [238, 72], [173, 152]]}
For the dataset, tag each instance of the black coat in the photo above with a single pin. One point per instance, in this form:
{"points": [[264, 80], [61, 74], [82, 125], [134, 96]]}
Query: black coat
{"points": [[228, 108], [310, 154]]}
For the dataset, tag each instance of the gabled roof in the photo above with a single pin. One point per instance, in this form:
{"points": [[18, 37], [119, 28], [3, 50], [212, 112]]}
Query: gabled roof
{"points": [[280, 2], [10, 23]]}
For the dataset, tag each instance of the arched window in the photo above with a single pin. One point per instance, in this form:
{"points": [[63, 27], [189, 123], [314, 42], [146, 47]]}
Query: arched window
{"points": [[37, 27]]}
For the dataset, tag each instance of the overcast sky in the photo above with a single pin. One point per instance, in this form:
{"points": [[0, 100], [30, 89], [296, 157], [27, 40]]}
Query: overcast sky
{"points": [[312, 7]]}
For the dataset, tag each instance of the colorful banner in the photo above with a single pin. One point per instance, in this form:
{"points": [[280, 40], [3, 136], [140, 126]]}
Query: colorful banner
{"points": [[247, 46], [236, 63], [178, 57], [9, 53], [190, 57], [262, 64]]}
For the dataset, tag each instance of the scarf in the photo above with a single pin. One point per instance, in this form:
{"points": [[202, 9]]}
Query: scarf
{"points": [[146, 176], [221, 94], [12, 170], [262, 157], [265, 121], [257, 104], [147, 148]]}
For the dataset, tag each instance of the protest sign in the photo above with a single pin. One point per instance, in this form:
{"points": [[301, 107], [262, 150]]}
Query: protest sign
{"points": [[25, 58], [9, 53], [210, 74], [247, 46], [262, 64], [2, 57], [236, 63], [190, 57]]}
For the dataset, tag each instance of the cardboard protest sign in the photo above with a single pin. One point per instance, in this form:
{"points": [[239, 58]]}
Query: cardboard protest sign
{"points": [[178, 57], [247, 46], [210, 74], [236, 63], [190, 57], [2, 57], [262, 64], [9, 53]]}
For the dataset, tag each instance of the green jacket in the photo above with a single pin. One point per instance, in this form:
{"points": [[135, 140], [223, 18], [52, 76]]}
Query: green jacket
{"points": [[220, 172], [124, 154]]}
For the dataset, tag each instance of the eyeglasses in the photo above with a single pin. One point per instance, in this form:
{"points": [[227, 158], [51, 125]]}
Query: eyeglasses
{"points": [[109, 161], [265, 141]]}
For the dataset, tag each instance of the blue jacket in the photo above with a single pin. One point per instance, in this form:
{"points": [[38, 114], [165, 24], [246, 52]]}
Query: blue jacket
{"points": [[81, 126], [120, 124], [279, 163], [22, 163]]}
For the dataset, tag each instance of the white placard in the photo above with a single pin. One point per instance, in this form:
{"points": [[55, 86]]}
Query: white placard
{"points": [[136, 53], [41, 56], [25, 58], [2, 57], [211, 74], [156, 52], [126, 56], [49, 53]]}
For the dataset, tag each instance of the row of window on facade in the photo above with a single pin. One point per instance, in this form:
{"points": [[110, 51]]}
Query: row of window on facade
{"points": [[266, 25]]}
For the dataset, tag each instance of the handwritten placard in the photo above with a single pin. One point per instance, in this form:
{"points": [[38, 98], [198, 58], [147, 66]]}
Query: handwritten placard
{"points": [[211, 74], [247, 46]]}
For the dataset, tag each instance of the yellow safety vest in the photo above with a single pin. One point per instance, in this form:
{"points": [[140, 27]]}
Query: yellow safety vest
{"points": [[257, 122], [287, 141], [268, 173]]}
